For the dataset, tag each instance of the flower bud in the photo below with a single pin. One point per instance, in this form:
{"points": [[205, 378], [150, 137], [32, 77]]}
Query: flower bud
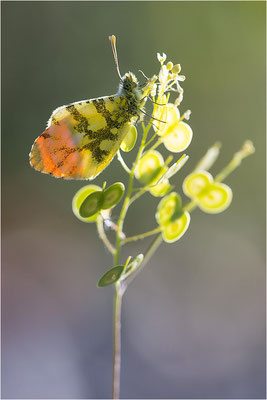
{"points": [[169, 66], [162, 57], [176, 69], [248, 147], [187, 114]]}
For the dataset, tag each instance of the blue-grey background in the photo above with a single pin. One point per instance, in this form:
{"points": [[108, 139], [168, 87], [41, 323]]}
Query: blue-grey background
{"points": [[193, 323]]}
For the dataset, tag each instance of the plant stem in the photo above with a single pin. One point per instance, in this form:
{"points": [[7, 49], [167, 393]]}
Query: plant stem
{"points": [[138, 194], [128, 195], [148, 254], [246, 150], [141, 235], [190, 206], [155, 145], [118, 289], [121, 160], [116, 343], [102, 234]]}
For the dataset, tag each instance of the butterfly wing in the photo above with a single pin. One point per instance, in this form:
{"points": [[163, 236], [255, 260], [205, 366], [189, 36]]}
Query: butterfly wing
{"points": [[82, 138]]}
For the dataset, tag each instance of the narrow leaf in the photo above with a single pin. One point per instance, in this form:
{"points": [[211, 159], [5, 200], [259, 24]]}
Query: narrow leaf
{"points": [[134, 264], [111, 276], [174, 168]]}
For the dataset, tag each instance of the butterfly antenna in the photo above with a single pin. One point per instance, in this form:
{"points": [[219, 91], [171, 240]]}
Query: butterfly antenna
{"points": [[143, 74], [112, 40]]}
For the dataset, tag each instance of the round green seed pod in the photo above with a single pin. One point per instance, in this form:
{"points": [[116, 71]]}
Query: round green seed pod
{"points": [[161, 189], [160, 114], [78, 199], [130, 139], [149, 167], [91, 205], [179, 138], [215, 199], [112, 195], [176, 229], [170, 114], [169, 207], [196, 182]]}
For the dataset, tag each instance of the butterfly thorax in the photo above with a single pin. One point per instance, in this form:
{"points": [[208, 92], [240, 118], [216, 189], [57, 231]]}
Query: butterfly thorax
{"points": [[129, 89]]}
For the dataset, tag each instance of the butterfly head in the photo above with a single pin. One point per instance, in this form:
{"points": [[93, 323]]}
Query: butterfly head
{"points": [[129, 86], [129, 82]]}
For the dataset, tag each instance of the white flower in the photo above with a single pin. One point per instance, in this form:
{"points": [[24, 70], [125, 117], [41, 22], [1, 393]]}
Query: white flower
{"points": [[162, 58]]}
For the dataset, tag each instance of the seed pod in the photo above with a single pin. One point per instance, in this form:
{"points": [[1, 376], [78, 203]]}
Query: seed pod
{"points": [[91, 205], [78, 199], [112, 195]]}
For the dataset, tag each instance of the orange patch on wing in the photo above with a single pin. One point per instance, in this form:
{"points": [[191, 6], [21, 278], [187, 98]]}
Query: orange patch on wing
{"points": [[55, 152]]}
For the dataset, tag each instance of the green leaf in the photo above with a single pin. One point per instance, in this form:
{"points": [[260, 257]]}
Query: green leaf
{"points": [[111, 276], [134, 264], [91, 205], [112, 195], [174, 168]]}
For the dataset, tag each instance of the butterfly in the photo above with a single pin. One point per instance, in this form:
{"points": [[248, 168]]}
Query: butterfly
{"points": [[82, 138]]}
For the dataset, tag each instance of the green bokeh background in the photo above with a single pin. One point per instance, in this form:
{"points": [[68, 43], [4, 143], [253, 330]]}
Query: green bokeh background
{"points": [[194, 320]]}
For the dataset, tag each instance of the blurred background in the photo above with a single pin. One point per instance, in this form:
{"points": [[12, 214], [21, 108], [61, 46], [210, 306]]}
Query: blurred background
{"points": [[193, 323]]}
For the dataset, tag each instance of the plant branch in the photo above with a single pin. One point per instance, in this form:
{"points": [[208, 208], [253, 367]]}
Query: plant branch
{"points": [[246, 150], [116, 343], [102, 234], [124, 165], [148, 254], [119, 290], [151, 140], [141, 235], [155, 145], [138, 194], [190, 206], [126, 202]]}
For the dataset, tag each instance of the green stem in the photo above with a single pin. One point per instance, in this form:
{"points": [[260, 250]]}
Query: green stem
{"points": [[151, 140], [209, 158], [127, 201], [116, 343], [246, 150], [102, 234], [190, 206], [124, 165], [148, 254], [137, 195], [119, 291], [141, 235], [155, 145]]}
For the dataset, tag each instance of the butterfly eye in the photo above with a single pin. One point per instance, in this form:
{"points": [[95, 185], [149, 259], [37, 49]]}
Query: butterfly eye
{"points": [[127, 85]]}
